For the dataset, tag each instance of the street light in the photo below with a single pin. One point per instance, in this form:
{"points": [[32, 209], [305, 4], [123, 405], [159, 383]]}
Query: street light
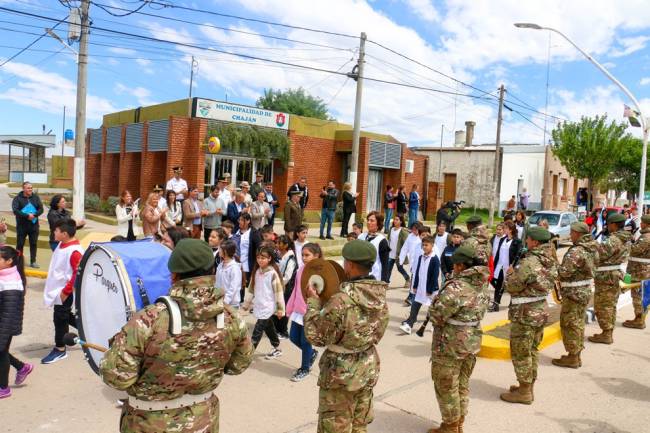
{"points": [[644, 123]]}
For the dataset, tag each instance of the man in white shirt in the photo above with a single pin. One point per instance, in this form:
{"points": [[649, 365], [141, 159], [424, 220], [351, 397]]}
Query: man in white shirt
{"points": [[178, 185], [441, 239], [224, 192]]}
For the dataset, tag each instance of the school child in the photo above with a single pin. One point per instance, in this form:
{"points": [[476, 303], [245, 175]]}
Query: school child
{"points": [[229, 276], [288, 269]]}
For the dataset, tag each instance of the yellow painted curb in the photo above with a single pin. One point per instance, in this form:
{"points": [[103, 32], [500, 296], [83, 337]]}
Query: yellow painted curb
{"points": [[499, 348], [34, 273]]}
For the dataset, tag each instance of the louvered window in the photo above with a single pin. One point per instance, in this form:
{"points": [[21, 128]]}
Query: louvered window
{"points": [[96, 141], [134, 137], [385, 155], [113, 139], [158, 136]]}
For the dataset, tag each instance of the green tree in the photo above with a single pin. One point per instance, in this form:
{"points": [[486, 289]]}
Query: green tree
{"points": [[625, 175], [589, 148], [294, 101]]}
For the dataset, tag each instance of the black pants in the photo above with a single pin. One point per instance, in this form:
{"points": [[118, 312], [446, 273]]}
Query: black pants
{"points": [[22, 231], [413, 315], [6, 359], [345, 222], [271, 219], [63, 319], [498, 287], [282, 325], [265, 326]]}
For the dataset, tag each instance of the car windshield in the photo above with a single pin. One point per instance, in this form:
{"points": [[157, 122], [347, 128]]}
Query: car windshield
{"points": [[552, 218]]}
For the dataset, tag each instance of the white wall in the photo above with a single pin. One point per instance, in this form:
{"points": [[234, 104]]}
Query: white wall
{"points": [[526, 166]]}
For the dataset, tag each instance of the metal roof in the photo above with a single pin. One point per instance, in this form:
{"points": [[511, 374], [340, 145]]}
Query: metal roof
{"points": [[30, 140]]}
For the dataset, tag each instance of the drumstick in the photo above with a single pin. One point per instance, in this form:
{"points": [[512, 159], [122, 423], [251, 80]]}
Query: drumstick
{"points": [[72, 339]]}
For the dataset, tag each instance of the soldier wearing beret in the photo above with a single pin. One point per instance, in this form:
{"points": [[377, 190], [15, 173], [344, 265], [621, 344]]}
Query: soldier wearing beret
{"points": [[292, 213], [478, 239], [170, 362], [576, 278], [529, 285], [638, 266], [612, 253], [349, 325], [456, 315]]}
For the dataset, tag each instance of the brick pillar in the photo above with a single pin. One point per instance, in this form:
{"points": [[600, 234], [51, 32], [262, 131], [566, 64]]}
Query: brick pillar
{"points": [[153, 166], [129, 178], [93, 168], [362, 175]]}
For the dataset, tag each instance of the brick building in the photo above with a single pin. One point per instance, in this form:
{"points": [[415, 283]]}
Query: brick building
{"points": [[135, 149]]}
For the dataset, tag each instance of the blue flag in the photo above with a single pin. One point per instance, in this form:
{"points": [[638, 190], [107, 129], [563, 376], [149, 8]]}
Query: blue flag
{"points": [[645, 294], [30, 209]]}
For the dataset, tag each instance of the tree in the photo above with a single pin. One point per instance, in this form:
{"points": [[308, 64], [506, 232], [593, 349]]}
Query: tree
{"points": [[589, 148], [625, 174], [294, 101]]}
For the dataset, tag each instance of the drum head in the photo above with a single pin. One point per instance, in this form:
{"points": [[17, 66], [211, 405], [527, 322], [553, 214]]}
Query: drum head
{"points": [[324, 274], [102, 300]]}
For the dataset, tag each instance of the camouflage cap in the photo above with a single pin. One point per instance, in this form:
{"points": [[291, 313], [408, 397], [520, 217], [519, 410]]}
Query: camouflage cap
{"points": [[463, 254], [645, 219], [615, 218], [475, 219], [538, 234], [359, 252], [190, 255], [579, 227]]}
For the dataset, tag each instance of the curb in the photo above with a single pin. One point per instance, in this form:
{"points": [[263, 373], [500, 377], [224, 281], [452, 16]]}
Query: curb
{"points": [[35, 273], [499, 348]]}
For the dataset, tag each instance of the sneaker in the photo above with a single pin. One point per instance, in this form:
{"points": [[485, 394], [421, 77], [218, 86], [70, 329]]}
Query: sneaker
{"points": [[493, 308], [54, 356], [314, 355], [300, 375], [34, 265], [5, 392], [405, 328], [283, 336], [407, 302], [274, 354], [23, 373]]}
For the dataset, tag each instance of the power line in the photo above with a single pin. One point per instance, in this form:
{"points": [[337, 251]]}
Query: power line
{"points": [[128, 12], [30, 44]]}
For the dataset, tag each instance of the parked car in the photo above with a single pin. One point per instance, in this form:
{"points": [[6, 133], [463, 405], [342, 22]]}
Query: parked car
{"points": [[559, 223]]}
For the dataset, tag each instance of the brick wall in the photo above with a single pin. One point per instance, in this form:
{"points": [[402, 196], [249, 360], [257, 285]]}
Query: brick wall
{"points": [[185, 139], [110, 175], [153, 166], [93, 168]]}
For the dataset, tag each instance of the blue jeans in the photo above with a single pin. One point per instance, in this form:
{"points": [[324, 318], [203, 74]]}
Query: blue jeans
{"points": [[297, 337], [400, 269], [413, 216], [388, 221], [326, 216]]}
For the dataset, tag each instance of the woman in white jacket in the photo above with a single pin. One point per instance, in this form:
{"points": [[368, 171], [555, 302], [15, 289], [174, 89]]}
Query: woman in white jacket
{"points": [[127, 214]]}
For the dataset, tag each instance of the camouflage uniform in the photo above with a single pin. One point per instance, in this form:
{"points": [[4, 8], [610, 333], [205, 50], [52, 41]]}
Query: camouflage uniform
{"points": [[478, 239], [350, 324], [535, 276], [576, 270], [153, 365], [453, 353], [612, 252], [638, 270]]}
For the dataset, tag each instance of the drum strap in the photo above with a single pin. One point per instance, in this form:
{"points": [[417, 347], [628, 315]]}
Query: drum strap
{"points": [[143, 292], [175, 316]]}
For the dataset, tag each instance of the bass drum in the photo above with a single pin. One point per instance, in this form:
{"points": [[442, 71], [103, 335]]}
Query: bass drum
{"points": [[116, 279]]}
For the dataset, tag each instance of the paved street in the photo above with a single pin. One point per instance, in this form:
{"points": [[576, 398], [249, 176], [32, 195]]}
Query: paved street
{"points": [[610, 394]]}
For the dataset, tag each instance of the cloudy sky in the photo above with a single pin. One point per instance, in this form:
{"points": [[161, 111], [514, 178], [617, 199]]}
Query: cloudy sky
{"points": [[463, 47]]}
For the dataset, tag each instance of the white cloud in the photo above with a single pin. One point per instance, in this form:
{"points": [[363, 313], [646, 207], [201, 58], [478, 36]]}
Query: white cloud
{"points": [[423, 9], [644, 81], [48, 91], [629, 46], [142, 95], [122, 51]]}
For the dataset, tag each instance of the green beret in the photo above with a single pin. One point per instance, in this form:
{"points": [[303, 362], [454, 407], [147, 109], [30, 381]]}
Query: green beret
{"points": [[475, 219], [538, 234], [463, 254], [580, 228], [645, 219], [360, 252], [615, 218], [190, 255]]}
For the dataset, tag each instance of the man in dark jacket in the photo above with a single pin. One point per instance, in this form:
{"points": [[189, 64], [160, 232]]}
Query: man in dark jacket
{"points": [[301, 186], [272, 200], [330, 196], [27, 207], [234, 210]]}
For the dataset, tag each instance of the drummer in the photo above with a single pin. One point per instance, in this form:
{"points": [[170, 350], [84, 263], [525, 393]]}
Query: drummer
{"points": [[172, 388], [350, 324]]}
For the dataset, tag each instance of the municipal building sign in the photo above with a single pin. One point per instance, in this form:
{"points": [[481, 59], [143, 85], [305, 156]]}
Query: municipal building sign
{"points": [[209, 109]]}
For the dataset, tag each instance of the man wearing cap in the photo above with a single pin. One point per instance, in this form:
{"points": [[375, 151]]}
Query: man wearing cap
{"points": [[478, 239], [350, 324], [178, 185], [224, 190], [292, 213], [301, 186], [258, 185], [576, 279], [638, 266], [612, 252], [245, 190], [162, 202], [456, 314], [171, 356], [529, 285]]}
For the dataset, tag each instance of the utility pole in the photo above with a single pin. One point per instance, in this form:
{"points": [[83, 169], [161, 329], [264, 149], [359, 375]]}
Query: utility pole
{"points": [[357, 74], [497, 160], [189, 102], [78, 185]]}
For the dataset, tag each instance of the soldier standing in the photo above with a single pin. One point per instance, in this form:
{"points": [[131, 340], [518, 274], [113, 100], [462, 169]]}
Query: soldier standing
{"points": [[478, 239], [576, 277], [350, 324], [529, 285], [456, 315], [169, 371], [612, 252], [638, 266]]}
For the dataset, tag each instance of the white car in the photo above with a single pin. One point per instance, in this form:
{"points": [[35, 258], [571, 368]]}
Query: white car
{"points": [[559, 223]]}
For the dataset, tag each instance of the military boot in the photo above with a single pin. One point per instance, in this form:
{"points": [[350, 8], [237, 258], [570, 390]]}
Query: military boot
{"points": [[460, 424], [514, 388], [523, 394], [604, 337], [637, 323], [569, 361], [445, 427]]}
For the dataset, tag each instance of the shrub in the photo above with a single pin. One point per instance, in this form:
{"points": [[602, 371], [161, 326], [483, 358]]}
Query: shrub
{"points": [[92, 202]]}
